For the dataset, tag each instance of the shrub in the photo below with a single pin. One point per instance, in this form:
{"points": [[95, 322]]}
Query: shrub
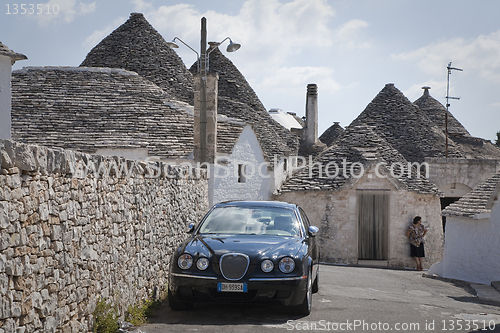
{"points": [[138, 314], [105, 318]]}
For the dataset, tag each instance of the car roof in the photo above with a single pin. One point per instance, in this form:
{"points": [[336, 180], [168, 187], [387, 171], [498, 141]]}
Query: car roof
{"points": [[277, 204]]}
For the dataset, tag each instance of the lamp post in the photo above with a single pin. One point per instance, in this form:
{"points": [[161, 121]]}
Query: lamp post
{"points": [[203, 67]]}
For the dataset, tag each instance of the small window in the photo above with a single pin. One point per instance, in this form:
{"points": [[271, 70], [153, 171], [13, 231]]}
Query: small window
{"points": [[285, 164], [242, 173]]}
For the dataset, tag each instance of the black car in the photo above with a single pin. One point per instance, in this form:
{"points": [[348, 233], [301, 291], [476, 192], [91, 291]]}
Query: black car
{"points": [[246, 251]]}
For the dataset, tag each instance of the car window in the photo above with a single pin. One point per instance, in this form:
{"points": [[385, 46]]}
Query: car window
{"points": [[304, 218], [251, 220]]}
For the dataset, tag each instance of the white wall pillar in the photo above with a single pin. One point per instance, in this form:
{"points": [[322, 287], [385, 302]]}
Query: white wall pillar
{"points": [[7, 59], [5, 97]]}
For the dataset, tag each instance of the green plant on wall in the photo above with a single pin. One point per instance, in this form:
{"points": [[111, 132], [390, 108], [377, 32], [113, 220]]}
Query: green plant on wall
{"points": [[139, 313], [105, 318], [497, 142]]}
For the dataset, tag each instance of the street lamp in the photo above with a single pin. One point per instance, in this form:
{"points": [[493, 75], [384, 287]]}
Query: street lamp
{"points": [[203, 64], [202, 60]]}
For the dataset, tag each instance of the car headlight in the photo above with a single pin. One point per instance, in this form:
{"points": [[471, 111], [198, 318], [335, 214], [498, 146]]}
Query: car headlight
{"points": [[287, 265], [267, 266], [202, 264], [185, 261]]}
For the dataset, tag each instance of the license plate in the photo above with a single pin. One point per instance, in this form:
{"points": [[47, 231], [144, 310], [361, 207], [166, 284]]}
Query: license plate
{"points": [[234, 287]]}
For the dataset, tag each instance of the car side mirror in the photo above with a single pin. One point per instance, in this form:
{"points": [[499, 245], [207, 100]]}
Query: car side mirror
{"points": [[190, 228], [313, 231]]}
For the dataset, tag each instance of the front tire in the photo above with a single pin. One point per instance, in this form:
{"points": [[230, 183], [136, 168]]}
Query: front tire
{"points": [[177, 305], [315, 286], [304, 309]]}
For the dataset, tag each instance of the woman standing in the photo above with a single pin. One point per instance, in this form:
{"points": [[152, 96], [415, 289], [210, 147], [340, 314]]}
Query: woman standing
{"points": [[416, 233]]}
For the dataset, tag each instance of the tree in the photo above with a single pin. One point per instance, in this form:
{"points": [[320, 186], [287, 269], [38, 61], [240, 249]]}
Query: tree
{"points": [[497, 142]]}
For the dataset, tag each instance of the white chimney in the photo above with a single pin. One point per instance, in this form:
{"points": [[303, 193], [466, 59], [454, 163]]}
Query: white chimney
{"points": [[7, 59]]}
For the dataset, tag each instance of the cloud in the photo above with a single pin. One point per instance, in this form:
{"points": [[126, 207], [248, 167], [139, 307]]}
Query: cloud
{"points": [[267, 29], [142, 6], [350, 33], [351, 29], [294, 79], [64, 10], [438, 90], [479, 55]]}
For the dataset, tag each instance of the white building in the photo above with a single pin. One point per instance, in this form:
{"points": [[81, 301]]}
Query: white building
{"points": [[472, 237]]}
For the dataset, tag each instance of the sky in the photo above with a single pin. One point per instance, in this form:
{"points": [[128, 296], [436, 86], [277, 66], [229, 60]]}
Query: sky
{"points": [[349, 48]]}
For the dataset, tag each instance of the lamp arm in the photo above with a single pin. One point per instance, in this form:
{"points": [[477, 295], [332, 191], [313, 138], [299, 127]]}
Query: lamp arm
{"points": [[208, 53], [197, 54]]}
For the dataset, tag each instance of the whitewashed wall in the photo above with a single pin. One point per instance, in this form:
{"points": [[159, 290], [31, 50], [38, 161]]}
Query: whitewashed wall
{"points": [[472, 248], [224, 184], [5, 99]]}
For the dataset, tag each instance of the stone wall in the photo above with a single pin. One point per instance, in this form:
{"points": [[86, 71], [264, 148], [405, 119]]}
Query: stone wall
{"points": [[75, 228], [449, 174]]}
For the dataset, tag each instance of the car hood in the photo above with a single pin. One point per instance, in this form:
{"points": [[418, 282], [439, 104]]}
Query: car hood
{"points": [[255, 246]]}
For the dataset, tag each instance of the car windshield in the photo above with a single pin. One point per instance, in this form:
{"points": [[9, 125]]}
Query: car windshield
{"points": [[251, 220]]}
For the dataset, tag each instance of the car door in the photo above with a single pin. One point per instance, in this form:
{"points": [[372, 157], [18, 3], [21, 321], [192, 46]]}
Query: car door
{"points": [[313, 247]]}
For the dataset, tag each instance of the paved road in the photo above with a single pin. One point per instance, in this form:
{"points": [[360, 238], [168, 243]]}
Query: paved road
{"points": [[351, 299]]}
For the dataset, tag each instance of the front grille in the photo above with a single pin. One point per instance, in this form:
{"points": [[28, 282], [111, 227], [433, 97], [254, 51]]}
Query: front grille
{"points": [[234, 266]]}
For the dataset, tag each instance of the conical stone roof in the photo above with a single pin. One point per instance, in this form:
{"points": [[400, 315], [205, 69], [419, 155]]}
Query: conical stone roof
{"points": [[137, 46], [407, 128], [437, 112], [237, 99], [331, 134], [470, 146], [356, 151]]}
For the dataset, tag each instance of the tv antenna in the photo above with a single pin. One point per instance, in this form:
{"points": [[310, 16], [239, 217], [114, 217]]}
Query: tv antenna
{"points": [[448, 97]]}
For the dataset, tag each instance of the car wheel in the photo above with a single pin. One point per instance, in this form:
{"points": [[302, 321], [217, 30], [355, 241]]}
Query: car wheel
{"points": [[315, 286], [177, 305], [304, 308]]}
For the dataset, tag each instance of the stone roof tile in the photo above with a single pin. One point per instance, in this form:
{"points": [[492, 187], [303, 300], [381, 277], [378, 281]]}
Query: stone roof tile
{"points": [[407, 128], [14, 56], [331, 135], [90, 108], [359, 145], [237, 99], [138, 47], [470, 146], [228, 133], [437, 114]]}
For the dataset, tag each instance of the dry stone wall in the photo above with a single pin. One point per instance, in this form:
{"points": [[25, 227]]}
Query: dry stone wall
{"points": [[75, 228]]}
